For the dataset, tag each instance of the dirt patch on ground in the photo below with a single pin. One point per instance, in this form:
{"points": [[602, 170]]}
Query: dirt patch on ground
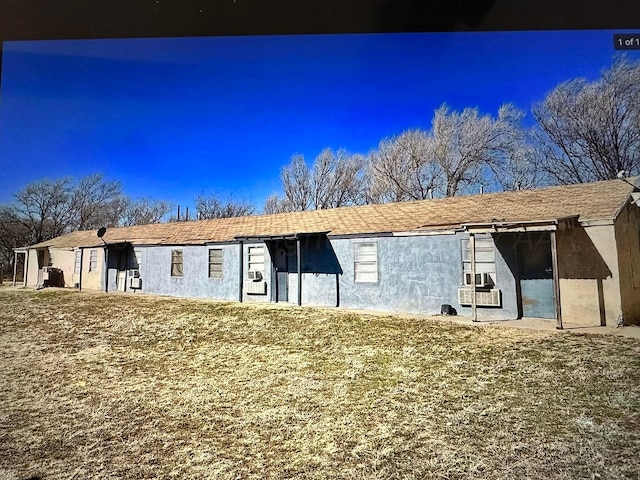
{"points": [[124, 386]]}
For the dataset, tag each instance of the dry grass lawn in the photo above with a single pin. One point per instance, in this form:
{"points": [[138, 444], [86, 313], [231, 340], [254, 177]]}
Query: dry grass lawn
{"points": [[123, 386]]}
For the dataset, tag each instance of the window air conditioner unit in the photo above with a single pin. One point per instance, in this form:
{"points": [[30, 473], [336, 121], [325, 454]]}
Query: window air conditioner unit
{"points": [[134, 273], [256, 288], [488, 298], [255, 276], [482, 279], [46, 273], [136, 282]]}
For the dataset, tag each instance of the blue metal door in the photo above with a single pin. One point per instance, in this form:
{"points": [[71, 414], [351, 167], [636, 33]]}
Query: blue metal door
{"points": [[536, 276]]}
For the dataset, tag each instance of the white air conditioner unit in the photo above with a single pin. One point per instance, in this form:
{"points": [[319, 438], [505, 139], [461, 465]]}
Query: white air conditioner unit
{"points": [[255, 288], [255, 276], [46, 271], [135, 282], [482, 279], [487, 298], [134, 273]]}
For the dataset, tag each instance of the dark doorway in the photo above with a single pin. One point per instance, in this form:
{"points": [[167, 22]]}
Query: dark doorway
{"points": [[535, 272]]}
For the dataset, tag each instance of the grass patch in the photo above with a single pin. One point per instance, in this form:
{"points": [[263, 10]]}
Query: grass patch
{"points": [[123, 386]]}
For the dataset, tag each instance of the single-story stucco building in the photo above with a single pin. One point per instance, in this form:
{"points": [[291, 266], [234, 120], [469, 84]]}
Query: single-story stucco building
{"points": [[567, 253]]}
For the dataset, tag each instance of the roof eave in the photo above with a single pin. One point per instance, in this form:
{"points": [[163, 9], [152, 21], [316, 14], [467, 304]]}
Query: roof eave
{"points": [[278, 236], [545, 225]]}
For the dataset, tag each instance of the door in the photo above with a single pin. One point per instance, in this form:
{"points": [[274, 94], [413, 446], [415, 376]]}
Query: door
{"points": [[536, 276], [122, 270], [281, 266]]}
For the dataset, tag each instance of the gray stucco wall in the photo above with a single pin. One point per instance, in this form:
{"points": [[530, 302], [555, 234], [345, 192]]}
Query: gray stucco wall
{"points": [[156, 276], [155, 272], [416, 274]]}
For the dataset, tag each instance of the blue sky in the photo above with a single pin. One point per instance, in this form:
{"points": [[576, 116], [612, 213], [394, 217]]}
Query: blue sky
{"points": [[173, 118]]}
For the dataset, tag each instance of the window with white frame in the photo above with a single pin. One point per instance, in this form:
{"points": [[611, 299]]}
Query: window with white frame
{"points": [[176, 263], [365, 262], [93, 260], [256, 259], [215, 263], [77, 264], [485, 256]]}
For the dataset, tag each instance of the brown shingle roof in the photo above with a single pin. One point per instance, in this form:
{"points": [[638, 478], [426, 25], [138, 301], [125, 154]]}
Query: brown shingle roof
{"points": [[599, 200]]}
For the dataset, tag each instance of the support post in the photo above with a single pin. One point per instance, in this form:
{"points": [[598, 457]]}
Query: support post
{"points": [[601, 307], [26, 267], [80, 274], [472, 259], [15, 267], [299, 264], [106, 269], [240, 271], [276, 282], [556, 280]]}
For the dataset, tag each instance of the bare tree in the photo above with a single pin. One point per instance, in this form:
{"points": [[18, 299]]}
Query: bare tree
{"points": [[296, 183], [403, 168], [274, 204], [334, 180], [458, 154], [94, 202], [41, 211], [212, 206], [144, 211], [48, 208], [591, 130], [13, 234], [516, 163], [464, 144], [113, 213], [44, 209]]}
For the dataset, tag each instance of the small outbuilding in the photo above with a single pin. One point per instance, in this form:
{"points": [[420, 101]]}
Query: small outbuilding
{"points": [[567, 253]]}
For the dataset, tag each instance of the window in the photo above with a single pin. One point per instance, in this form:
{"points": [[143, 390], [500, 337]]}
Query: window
{"points": [[256, 259], [93, 260], [215, 263], [365, 262], [77, 265], [176, 263], [485, 258]]}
